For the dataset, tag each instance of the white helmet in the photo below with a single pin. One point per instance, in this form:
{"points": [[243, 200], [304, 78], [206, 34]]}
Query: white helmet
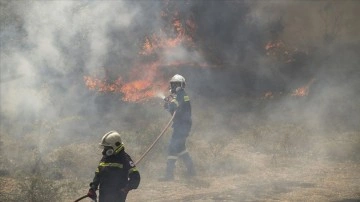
{"points": [[177, 81], [112, 139]]}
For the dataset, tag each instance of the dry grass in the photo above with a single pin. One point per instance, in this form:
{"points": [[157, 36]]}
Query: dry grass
{"points": [[251, 159]]}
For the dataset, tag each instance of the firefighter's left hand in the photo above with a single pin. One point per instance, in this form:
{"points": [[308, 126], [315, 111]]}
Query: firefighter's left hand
{"points": [[92, 194], [125, 190]]}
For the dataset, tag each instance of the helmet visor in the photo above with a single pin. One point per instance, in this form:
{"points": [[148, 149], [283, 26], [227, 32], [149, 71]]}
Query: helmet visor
{"points": [[174, 85]]}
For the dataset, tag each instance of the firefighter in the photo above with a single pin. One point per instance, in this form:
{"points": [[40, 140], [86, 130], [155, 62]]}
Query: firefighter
{"points": [[178, 101], [116, 173]]}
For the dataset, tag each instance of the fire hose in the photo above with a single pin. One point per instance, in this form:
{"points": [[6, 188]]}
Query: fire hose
{"points": [[157, 139], [147, 151], [81, 198]]}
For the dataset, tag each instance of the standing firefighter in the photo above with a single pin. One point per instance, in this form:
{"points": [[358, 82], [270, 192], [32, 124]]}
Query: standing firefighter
{"points": [[178, 101], [116, 173]]}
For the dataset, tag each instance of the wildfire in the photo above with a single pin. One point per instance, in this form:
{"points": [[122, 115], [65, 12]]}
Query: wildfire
{"points": [[182, 30], [137, 91], [102, 85], [303, 91], [137, 88], [134, 91], [279, 50], [145, 79], [273, 44], [298, 92], [268, 95]]}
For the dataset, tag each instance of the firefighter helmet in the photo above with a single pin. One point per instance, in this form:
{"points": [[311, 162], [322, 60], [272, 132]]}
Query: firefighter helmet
{"points": [[111, 142], [177, 82]]}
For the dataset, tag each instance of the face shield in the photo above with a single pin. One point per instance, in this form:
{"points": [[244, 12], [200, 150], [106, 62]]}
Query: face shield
{"points": [[175, 86]]}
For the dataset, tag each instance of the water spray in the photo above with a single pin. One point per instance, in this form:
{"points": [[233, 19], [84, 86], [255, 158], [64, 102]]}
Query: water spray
{"points": [[160, 95]]}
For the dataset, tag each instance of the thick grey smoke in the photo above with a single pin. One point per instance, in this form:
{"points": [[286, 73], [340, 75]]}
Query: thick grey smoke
{"points": [[48, 46]]}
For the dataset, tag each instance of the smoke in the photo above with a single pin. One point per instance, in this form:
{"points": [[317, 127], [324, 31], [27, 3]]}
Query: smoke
{"points": [[48, 46]]}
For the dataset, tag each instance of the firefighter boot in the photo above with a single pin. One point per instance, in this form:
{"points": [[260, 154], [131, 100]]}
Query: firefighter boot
{"points": [[189, 165], [170, 168]]}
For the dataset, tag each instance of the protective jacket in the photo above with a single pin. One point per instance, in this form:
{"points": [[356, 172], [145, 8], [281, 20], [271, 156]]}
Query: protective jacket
{"points": [[182, 122], [181, 103], [114, 174]]}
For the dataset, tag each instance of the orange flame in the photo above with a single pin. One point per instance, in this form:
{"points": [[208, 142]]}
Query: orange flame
{"points": [[102, 85], [137, 89], [268, 95], [145, 81], [303, 91], [134, 91], [273, 44], [183, 35], [279, 50], [299, 92]]}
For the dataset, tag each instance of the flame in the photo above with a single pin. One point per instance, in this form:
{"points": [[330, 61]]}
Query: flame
{"points": [[268, 95], [303, 91], [280, 51], [273, 44], [136, 89], [183, 34], [145, 79], [142, 89], [102, 85], [298, 92]]}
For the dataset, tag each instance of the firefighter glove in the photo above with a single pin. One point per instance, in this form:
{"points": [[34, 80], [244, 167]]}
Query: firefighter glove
{"points": [[92, 194], [168, 101], [170, 98]]}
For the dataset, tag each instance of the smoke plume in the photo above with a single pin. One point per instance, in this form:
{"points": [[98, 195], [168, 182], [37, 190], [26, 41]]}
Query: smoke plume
{"points": [[47, 47]]}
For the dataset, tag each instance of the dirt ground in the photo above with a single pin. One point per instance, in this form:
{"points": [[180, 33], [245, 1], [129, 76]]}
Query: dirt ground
{"points": [[304, 181], [241, 173], [284, 179]]}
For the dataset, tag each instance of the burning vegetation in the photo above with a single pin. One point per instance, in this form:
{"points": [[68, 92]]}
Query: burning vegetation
{"points": [[179, 34], [184, 31], [137, 90], [280, 51], [273, 85]]}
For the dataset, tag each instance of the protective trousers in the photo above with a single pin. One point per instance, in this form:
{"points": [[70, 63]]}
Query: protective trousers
{"points": [[177, 149], [170, 165]]}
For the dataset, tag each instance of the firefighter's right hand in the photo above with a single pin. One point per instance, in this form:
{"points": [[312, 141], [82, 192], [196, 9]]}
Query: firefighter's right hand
{"points": [[92, 194], [167, 101], [169, 98]]}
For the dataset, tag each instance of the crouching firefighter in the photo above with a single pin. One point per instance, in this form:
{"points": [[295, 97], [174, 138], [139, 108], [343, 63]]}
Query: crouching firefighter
{"points": [[116, 173], [178, 101]]}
